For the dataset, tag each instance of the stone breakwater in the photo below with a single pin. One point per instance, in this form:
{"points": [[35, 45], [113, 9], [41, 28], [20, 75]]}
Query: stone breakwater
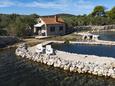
{"points": [[100, 66]]}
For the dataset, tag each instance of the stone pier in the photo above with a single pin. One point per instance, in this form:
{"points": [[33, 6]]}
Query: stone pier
{"points": [[100, 66]]}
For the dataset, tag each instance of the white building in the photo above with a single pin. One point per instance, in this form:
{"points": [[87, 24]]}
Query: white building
{"points": [[48, 26]]}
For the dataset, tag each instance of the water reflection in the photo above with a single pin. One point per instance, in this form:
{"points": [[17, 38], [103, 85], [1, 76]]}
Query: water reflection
{"points": [[15, 71]]}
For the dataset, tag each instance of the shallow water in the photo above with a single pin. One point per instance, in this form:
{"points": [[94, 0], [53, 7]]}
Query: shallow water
{"points": [[106, 35], [15, 71], [99, 50]]}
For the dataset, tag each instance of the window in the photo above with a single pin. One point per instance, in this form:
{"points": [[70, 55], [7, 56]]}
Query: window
{"points": [[52, 29], [61, 28]]}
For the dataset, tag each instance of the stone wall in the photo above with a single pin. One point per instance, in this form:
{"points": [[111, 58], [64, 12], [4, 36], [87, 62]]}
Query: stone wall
{"points": [[105, 27], [7, 40], [95, 67]]}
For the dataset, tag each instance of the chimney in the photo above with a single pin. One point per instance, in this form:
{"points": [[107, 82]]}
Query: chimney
{"points": [[56, 18]]}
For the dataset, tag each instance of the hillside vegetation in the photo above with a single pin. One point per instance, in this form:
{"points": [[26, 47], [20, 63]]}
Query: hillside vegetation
{"points": [[99, 16], [20, 25]]}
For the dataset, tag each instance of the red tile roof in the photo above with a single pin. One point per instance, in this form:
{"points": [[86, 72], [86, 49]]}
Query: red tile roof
{"points": [[52, 20]]}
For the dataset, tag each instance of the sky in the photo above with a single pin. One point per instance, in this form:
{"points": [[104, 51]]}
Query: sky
{"points": [[49, 7]]}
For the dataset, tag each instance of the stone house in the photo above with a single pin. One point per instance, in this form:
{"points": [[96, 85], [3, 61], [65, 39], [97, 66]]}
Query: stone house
{"points": [[49, 26]]}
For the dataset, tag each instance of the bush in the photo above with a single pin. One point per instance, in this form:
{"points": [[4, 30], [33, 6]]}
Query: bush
{"points": [[3, 32]]}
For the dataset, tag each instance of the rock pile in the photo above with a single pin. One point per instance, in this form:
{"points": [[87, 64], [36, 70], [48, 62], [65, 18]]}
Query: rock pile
{"points": [[95, 68]]}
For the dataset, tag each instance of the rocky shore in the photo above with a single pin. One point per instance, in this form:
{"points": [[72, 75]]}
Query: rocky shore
{"points": [[100, 66], [8, 40], [95, 27]]}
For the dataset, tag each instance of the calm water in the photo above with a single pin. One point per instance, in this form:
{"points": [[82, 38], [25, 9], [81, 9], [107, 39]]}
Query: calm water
{"points": [[15, 71], [107, 35], [99, 50]]}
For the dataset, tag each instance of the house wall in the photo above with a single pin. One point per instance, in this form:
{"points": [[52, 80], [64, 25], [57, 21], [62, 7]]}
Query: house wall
{"points": [[56, 32], [43, 28], [40, 21], [46, 28]]}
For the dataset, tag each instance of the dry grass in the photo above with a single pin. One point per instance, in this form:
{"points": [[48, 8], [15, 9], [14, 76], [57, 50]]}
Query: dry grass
{"points": [[70, 37], [32, 41]]}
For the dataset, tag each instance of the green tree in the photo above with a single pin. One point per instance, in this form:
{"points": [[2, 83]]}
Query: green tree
{"points": [[111, 13], [21, 25], [99, 11]]}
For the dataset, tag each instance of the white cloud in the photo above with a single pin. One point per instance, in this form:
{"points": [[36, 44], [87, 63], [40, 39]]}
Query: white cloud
{"points": [[59, 4], [44, 5], [83, 4], [70, 6], [36, 4], [6, 3]]}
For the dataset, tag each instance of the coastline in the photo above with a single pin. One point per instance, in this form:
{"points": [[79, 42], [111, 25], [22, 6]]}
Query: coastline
{"points": [[30, 42], [33, 41], [91, 64]]}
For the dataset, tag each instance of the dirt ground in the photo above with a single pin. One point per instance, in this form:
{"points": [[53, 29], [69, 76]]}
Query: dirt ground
{"points": [[31, 41]]}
